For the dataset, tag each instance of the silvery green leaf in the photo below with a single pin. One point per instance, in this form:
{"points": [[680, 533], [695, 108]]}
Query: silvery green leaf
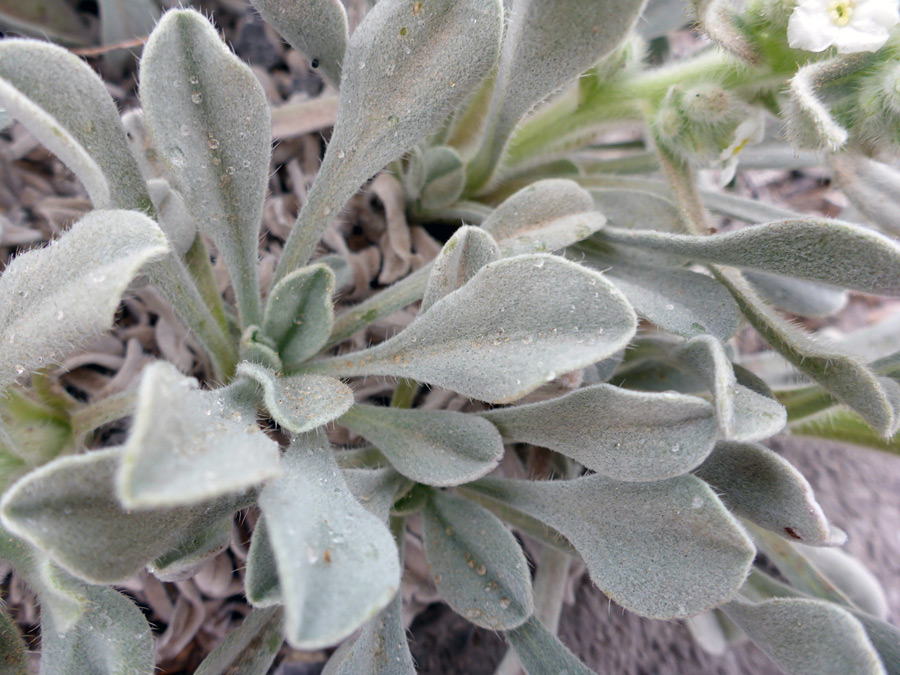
{"points": [[445, 177], [63, 102], [636, 209], [343, 270], [69, 509], [58, 297], [189, 445], [807, 637], [542, 653], [505, 332], [209, 118], [809, 123], [172, 214], [111, 636], [547, 45], [256, 348], [407, 67], [299, 314], [546, 216], [337, 563], [250, 648], [679, 301], [707, 631], [797, 296], [874, 398], [186, 558], [13, 653], [873, 187], [300, 403], [261, 581], [667, 549], [478, 566], [815, 249], [376, 489], [851, 577], [626, 435], [122, 20], [757, 483], [315, 28], [435, 447], [744, 415], [466, 252]]}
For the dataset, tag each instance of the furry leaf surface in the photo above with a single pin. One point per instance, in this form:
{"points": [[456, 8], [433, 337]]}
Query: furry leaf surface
{"points": [[504, 333], [315, 28], [300, 313], [337, 563], [466, 252], [477, 565], [626, 435], [434, 447], [407, 67], [63, 102], [542, 653], [757, 483], [188, 445], [815, 249], [55, 298], [209, 118], [69, 509], [667, 549]]}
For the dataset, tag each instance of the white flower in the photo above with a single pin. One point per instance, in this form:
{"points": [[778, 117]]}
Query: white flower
{"points": [[748, 132], [850, 25]]}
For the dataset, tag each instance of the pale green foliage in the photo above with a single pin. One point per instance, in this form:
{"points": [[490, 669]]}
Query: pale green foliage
{"points": [[434, 447], [476, 564], [315, 28], [188, 445], [65, 105], [664, 549], [449, 97], [495, 339], [337, 564], [208, 115], [626, 435], [56, 298]]}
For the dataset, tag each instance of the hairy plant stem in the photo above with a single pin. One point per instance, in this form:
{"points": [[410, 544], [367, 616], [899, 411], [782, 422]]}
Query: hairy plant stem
{"points": [[200, 267], [405, 393]]}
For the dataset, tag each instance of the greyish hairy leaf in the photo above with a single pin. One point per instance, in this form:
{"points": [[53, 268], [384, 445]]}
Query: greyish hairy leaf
{"points": [[796, 296], [261, 581], [542, 653], [677, 300], [807, 637], [547, 45], [187, 557], [744, 415], [435, 447], [757, 483], [504, 333], [376, 489], [209, 118], [476, 563], [444, 177], [69, 510], [466, 252], [626, 435], [337, 564], [189, 445], [637, 209], [300, 313], [546, 216], [873, 187], [123, 20], [56, 298], [111, 636], [249, 649], [63, 102], [315, 28], [667, 549], [851, 577], [815, 249], [876, 399], [381, 648], [300, 403], [408, 66]]}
